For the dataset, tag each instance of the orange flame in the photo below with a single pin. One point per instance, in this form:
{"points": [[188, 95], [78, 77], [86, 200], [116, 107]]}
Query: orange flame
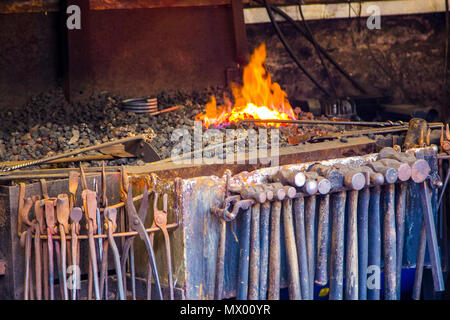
{"points": [[257, 98]]}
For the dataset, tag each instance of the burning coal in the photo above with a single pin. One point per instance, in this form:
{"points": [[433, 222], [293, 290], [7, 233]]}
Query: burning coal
{"points": [[257, 98]]}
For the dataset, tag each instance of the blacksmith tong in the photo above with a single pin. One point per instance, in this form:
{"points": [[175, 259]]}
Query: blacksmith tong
{"points": [[136, 221]]}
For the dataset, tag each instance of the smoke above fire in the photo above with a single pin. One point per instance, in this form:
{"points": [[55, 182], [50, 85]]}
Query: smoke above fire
{"points": [[257, 98]]}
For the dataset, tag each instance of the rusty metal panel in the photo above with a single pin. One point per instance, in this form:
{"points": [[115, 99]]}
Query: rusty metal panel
{"points": [[142, 4], [140, 52]]}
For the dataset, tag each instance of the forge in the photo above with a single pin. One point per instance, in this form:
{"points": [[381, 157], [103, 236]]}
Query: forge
{"points": [[211, 150]]}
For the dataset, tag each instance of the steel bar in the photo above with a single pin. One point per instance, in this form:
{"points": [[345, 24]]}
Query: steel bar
{"points": [[363, 241], [323, 240], [389, 245], [96, 157], [444, 188], [244, 244], [93, 257], [400, 211], [115, 235], [38, 261], [300, 232], [71, 153], [291, 251], [104, 271], [372, 131], [420, 263], [337, 246], [26, 290], [111, 216], [160, 219], [274, 253], [59, 268], [433, 249], [310, 219], [50, 266], [264, 249], [220, 265], [253, 282], [63, 263], [351, 248], [330, 122]]}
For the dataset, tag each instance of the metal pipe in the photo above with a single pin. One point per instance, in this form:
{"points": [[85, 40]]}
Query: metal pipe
{"points": [[351, 248], [274, 253], [291, 251], [264, 249], [363, 241], [374, 252], [244, 243], [253, 286], [337, 246], [299, 219], [389, 245]]}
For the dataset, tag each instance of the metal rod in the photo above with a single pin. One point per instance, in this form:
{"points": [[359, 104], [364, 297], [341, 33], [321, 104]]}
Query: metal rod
{"points": [[253, 286], [330, 122], [400, 211], [274, 253], [430, 228], [71, 153], [220, 266], [363, 241], [389, 245], [374, 252], [291, 251], [420, 263], [117, 234], [38, 262], [244, 243], [371, 131], [310, 218], [351, 248], [337, 246], [323, 240], [299, 219], [264, 249]]}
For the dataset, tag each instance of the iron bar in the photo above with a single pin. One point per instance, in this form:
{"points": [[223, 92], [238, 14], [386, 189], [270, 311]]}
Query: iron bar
{"points": [[337, 246], [291, 251], [400, 211], [363, 241], [310, 219], [351, 248], [389, 245], [244, 244], [264, 249], [274, 253], [299, 219], [430, 228], [253, 286], [374, 252], [323, 240]]}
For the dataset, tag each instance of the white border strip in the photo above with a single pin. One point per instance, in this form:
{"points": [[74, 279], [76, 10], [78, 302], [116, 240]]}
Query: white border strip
{"points": [[346, 10]]}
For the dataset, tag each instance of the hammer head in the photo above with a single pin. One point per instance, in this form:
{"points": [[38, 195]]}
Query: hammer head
{"points": [[420, 170]]}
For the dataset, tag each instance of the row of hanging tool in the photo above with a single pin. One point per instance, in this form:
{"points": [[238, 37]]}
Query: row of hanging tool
{"points": [[55, 227], [340, 221]]}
